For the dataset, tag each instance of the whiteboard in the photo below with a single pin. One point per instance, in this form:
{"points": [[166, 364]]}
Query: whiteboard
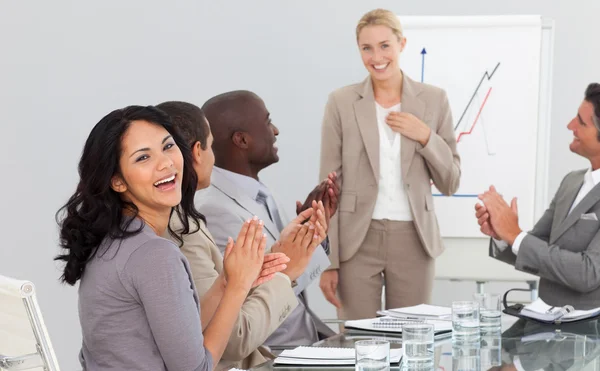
{"points": [[496, 71]]}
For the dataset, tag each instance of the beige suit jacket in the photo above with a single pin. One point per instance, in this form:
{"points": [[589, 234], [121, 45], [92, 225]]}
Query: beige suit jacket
{"points": [[265, 308], [350, 146]]}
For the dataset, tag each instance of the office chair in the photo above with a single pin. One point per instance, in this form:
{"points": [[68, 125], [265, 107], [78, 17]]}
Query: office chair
{"points": [[24, 340]]}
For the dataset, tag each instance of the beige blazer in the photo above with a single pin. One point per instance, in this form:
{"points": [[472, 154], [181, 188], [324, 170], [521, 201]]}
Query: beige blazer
{"points": [[350, 146], [265, 308]]}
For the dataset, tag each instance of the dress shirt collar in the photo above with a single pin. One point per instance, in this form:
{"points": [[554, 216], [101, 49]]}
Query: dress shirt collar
{"points": [[592, 177], [247, 185]]}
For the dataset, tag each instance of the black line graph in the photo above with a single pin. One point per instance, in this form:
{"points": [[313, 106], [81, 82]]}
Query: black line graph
{"points": [[485, 75]]}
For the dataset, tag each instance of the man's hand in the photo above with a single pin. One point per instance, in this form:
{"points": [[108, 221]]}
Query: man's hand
{"points": [[329, 283], [483, 219], [328, 191], [272, 263], [319, 219], [316, 194], [298, 242], [503, 218], [330, 201]]}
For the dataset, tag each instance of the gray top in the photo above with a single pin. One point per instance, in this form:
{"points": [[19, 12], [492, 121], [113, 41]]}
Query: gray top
{"points": [[139, 309]]}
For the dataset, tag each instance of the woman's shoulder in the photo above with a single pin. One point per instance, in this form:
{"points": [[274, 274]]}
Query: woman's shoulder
{"points": [[348, 92], [154, 248], [428, 90], [144, 247]]}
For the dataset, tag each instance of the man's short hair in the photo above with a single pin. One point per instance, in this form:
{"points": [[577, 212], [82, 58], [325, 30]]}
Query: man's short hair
{"points": [[592, 95], [189, 120]]}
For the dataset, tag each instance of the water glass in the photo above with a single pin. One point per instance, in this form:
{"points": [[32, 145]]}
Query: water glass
{"points": [[465, 322], [466, 357], [372, 355], [491, 350], [417, 345], [490, 312]]}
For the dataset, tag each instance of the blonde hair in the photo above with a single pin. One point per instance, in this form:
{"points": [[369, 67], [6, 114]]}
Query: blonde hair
{"points": [[380, 17]]}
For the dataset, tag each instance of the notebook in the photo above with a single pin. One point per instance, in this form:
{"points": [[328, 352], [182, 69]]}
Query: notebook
{"points": [[391, 324], [316, 356], [425, 311], [543, 312]]}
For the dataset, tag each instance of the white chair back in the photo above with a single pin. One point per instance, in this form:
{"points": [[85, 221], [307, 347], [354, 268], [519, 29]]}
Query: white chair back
{"points": [[24, 340]]}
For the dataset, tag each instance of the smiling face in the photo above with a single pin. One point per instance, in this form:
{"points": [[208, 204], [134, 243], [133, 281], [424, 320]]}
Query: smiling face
{"points": [[380, 50], [151, 168], [262, 150], [585, 134]]}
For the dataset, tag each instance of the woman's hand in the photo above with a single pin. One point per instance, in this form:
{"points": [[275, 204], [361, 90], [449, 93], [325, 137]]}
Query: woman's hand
{"points": [[243, 260], [409, 125]]}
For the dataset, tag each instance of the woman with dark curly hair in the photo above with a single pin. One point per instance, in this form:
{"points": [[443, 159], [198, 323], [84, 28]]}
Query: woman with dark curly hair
{"points": [[138, 306]]}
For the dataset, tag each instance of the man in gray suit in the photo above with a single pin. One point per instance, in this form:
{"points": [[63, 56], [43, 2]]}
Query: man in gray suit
{"points": [[243, 145], [563, 248]]}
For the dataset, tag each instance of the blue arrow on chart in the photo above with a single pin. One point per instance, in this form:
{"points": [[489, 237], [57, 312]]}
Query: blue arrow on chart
{"points": [[423, 52]]}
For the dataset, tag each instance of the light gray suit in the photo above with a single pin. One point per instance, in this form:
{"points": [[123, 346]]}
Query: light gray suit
{"points": [[563, 248], [226, 207]]}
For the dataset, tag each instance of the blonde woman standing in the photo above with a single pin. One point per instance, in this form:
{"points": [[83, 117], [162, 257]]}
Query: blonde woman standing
{"points": [[388, 137]]}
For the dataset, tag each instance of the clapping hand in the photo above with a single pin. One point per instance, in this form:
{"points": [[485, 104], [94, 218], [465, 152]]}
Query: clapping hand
{"points": [[328, 192], [299, 241], [244, 258]]}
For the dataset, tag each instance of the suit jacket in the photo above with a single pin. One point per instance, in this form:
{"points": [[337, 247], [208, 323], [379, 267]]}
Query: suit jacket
{"points": [[563, 248], [263, 311], [225, 209], [350, 146]]}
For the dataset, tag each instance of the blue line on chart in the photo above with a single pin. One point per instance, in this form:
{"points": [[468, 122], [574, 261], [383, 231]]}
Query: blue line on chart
{"points": [[423, 52], [457, 195]]}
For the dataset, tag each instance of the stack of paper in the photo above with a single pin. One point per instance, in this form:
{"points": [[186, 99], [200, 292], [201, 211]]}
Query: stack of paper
{"points": [[421, 311], [541, 311], [392, 324], [325, 356]]}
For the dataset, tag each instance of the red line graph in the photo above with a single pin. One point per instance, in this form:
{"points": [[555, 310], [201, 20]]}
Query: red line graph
{"points": [[476, 117]]}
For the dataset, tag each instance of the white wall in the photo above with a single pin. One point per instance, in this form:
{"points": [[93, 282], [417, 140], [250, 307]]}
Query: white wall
{"points": [[64, 64]]}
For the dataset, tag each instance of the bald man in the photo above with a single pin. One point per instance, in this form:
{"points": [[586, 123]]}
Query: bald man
{"points": [[243, 144]]}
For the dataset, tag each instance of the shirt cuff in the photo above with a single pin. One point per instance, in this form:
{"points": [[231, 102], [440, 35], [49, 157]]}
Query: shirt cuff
{"points": [[284, 276], [517, 244], [500, 245]]}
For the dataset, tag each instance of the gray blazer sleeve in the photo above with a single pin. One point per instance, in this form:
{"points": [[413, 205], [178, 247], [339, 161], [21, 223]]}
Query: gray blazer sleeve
{"points": [[160, 279], [541, 231], [579, 271]]}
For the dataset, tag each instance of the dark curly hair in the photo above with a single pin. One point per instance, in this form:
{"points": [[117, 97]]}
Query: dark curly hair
{"points": [[95, 211]]}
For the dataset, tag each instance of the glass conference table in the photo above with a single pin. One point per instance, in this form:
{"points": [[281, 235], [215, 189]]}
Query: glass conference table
{"points": [[521, 345]]}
